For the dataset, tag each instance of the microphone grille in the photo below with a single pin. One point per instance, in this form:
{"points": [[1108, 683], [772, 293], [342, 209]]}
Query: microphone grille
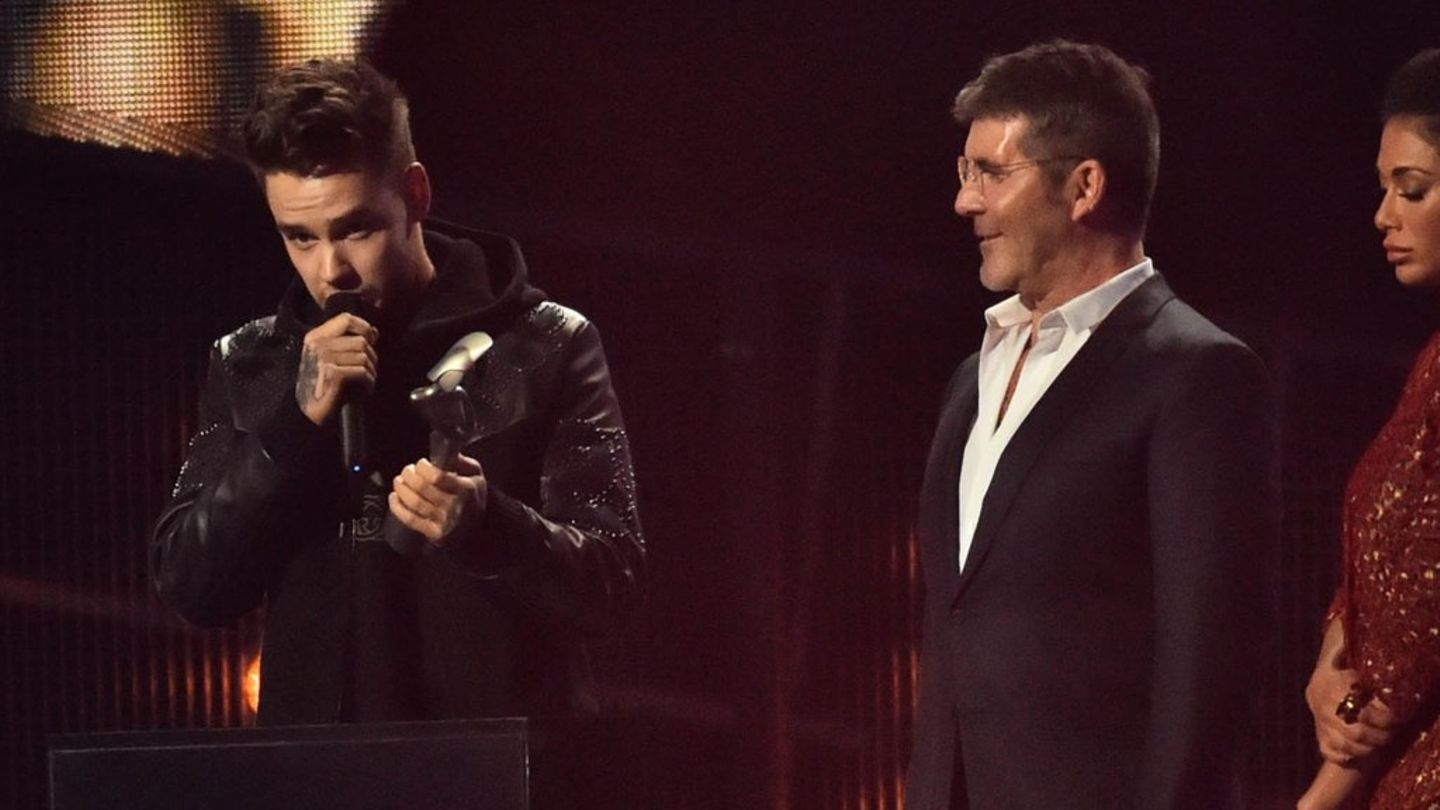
{"points": [[350, 302]]}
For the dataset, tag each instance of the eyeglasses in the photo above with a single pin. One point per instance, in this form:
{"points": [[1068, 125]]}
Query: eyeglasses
{"points": [[971, 171]]}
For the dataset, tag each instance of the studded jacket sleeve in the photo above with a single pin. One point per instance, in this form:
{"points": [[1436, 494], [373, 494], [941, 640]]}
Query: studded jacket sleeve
{"points": [[575, 557], [247, 484]]}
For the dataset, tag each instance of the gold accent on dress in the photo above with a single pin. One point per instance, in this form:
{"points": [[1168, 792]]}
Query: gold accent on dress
{"points": [[1388, 599]]}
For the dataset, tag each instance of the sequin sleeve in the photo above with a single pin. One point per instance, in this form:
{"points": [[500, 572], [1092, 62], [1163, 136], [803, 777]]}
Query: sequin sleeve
{"points": [[1393, 545]]}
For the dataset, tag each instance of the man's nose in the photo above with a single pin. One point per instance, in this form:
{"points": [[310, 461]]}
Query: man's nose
{"points": [[969, 201], [335, 267]]}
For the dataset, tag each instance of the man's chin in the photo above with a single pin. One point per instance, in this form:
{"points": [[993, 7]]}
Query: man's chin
{"points": [[994, 280]]}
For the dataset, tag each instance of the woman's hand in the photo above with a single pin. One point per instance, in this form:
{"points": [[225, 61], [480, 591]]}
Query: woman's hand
{"points": [[1332, 786], [1341, 742]]}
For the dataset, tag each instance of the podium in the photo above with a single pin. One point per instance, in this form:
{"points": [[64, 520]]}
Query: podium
{"points": [[498, 764]]}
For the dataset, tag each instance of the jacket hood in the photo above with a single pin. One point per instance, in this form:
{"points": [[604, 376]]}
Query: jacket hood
{"points": [[481, 283]]}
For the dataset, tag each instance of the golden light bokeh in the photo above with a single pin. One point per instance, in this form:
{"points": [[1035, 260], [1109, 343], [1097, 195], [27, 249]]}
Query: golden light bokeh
{"points": [[252, 685], [163, 75]]}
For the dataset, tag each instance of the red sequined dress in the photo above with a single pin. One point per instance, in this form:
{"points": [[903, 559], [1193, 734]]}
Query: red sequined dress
{"points": [[1389, 598]]}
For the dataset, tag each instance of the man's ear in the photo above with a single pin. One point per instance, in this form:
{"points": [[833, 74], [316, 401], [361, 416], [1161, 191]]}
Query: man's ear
{"points": [[415, 185], [1087, 187]]}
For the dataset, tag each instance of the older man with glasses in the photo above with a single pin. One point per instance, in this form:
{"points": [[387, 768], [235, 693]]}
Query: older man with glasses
{"points": [[1100, 495]]}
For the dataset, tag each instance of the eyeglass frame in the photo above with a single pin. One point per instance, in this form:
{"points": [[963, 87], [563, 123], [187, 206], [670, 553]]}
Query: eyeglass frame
{"points": [[999, 171]]}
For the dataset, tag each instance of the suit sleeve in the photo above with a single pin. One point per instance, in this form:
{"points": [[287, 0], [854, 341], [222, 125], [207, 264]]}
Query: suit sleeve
{"points": [[576, 558], [238, 496], [1213, 505], [929, 778], [931, 772]]}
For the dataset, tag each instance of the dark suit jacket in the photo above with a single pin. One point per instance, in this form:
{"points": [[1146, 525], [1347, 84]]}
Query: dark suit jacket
{"points": [[1100, 646]]}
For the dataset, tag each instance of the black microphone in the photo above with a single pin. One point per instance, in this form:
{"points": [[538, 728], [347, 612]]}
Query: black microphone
{"points": [[353, 447]]}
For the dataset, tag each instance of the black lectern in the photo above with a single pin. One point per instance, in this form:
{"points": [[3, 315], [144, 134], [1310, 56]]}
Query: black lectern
{"points": [[502, 764]]}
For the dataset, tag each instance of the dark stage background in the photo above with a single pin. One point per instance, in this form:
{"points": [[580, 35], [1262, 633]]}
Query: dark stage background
{"points": [[752, 201]]}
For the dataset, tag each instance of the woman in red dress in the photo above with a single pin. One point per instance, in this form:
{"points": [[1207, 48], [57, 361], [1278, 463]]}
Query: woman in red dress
{"points": [[1375, 691]]}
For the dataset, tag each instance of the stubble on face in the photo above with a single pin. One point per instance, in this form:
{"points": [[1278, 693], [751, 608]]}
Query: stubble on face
{"points": [[350, 232], [1015, 219]]}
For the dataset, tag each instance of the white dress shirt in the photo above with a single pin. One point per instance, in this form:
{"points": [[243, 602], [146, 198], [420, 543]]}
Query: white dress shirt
{"points": [[1058, 338]]}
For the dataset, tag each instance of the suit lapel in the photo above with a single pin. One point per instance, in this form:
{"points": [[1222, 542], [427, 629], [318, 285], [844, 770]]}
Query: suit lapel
{"points": [[1063, 399], [941, 495]]}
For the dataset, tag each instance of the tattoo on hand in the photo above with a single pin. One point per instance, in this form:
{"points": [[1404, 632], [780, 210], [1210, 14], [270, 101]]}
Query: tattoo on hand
{"points": [[305, 382]]}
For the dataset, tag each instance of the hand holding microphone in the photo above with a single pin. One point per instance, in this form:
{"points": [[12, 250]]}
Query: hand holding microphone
{"points": [[338, 367]]}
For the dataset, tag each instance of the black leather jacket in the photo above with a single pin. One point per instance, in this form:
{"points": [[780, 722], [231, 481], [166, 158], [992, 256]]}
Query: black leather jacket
{"points": [[494, 623]]}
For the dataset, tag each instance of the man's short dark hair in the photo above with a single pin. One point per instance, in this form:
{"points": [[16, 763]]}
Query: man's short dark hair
{"points": [[326, 116], [1081, 101], [1414, 89]]}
